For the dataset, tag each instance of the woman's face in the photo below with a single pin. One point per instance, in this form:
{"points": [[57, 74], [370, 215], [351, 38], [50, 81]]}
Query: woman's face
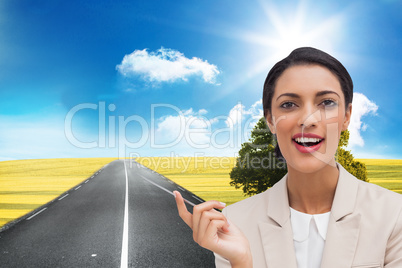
{"points": [[308, 114]]}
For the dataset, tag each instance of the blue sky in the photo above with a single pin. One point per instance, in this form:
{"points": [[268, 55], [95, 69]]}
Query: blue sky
{"points": [[183, 78]]}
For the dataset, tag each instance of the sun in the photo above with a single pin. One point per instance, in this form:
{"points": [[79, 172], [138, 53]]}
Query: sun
{"points": [[281, 33]]}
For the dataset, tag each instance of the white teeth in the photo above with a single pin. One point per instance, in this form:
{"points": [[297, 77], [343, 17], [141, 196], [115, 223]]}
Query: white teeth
{"points": [[304, 140]]}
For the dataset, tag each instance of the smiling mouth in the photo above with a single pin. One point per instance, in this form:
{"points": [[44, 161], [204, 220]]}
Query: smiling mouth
{"points": [[307, 142]]}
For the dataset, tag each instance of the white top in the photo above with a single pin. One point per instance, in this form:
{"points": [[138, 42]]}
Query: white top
{"points": [[309, 233]]}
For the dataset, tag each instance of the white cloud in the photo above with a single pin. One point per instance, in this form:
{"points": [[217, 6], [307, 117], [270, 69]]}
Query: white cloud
{"points": [[190, 130], [256, 110], [202, 111], [239, 113], [166, 65], [361, 106], [187, 128], [236, 114]]}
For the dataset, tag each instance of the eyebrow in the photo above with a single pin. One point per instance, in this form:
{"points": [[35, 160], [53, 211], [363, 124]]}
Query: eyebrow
{"points": [[324, 92], [319, 94]]}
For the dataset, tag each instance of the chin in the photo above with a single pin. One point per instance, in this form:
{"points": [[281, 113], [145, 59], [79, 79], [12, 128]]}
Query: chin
{"points": [[311, 163]]}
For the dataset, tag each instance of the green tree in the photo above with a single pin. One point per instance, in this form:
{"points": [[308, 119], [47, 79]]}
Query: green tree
{"points": [[345, 158], [257, 168]]}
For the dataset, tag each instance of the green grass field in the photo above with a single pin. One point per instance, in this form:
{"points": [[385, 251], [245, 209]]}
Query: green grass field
{"points": [[28, 184]]}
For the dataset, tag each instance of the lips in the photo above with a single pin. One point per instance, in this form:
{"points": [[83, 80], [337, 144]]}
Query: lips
{"points": [[307, 142]]}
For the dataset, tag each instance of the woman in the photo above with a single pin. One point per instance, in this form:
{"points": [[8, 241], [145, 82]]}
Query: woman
{"points": [[318, 214]]}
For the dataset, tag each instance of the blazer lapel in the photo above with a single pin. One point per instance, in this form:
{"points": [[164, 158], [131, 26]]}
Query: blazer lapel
{"points": [[343, 227], [276, 234]]}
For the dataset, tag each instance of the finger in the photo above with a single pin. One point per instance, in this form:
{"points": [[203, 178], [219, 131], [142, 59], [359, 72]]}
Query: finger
{"points": [[211, 236], [199, 209], [206, 218], [225, 228], [186, 216]]}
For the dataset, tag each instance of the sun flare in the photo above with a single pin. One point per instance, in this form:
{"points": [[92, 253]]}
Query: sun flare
{"points": [[281, 33]]}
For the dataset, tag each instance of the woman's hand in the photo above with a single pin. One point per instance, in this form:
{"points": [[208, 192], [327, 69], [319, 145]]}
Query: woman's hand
{"points": [[212, 231]]}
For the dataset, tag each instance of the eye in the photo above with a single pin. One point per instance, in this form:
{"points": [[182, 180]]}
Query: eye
{"points": [[287, 105], [329, 103]]}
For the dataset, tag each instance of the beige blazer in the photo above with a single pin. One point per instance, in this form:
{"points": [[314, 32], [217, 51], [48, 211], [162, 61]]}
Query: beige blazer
{"points": [[364, 230]]}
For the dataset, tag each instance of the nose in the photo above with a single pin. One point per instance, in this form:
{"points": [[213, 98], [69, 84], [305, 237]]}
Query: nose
{"points": [[309, 117]]}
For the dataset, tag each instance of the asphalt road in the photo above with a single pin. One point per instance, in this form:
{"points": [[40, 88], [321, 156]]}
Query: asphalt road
{"points": [[95, 225]]}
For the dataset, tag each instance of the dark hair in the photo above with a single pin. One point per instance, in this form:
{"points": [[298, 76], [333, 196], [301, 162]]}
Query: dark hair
{"points": [[305, 56]]}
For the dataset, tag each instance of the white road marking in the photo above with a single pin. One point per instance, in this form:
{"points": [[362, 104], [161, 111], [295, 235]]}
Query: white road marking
{"points": [[166, 190], [86, 181], [181, 188], [63, 197], [171, 182], [93, 255], [198, 199], [43, 209], [124, 247], [78, 187], [92, 177]]}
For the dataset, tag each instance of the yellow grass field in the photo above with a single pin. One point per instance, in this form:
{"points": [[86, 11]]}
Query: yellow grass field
{"points": [[27, 184], [385, 172], [207, 177]]}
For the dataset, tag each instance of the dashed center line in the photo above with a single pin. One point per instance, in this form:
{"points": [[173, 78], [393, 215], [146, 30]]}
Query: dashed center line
{"points": [[63, 197], [181, 188], [166, 190], [43, 209], [78, 187], [86, 181], [198, 199]]}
